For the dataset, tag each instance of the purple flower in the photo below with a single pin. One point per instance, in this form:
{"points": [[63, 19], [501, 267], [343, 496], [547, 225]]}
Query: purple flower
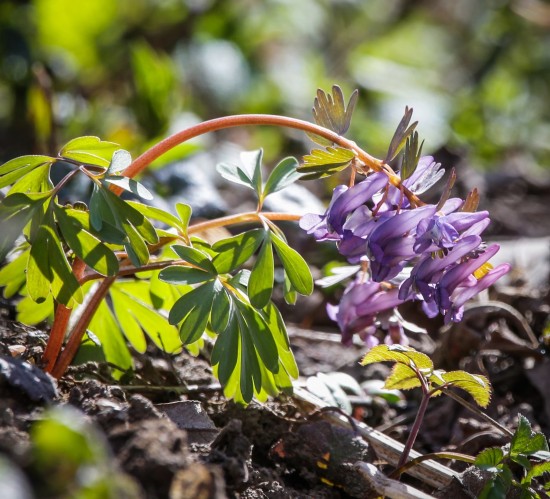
{"points": [[390, 245], [344, 202], [442, 231], [459, 283], [359, 306]]}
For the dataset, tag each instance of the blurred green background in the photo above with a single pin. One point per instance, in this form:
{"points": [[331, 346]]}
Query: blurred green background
{"points": [[132, 71]]}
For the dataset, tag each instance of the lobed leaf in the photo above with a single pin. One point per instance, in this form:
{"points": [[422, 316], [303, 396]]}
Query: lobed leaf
{"points": [[119, 162], [402, 132], [330, 111], [402, 377], [490, 458], [91, 150], [323, 163], [12, 275], [155, 213], [476, 385], [398, 353], [18, 168], [525, 440]]}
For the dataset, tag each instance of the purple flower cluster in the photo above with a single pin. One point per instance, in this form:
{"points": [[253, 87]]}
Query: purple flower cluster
{"points": [[429, 253]]}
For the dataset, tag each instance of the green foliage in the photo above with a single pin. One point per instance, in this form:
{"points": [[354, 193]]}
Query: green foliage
{"points": [[324, 163], [249, 173], [414, 369], [330, 111], [529, 450]]}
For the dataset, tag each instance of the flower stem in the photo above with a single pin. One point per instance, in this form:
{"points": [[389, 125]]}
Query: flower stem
{"points": [[59, 326], [417, 422], [240, 218], [140, 163]]}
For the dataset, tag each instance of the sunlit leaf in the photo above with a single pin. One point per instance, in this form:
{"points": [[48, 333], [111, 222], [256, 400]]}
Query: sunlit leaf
{"points": [[490, 458], [295, 266], [184, 212], [338, 274], [330, 111], [39, 273], [525, 440], [178, 274], [90, 150], [12, 275], [398, 353], [248, 173], [195, 257], [119, 162], [260, 284], [85, 245], [159, 214], [283, 175], [413, 151], [402, 377], [19, 167], [476, 385], [402, 132], [222, 308], [131, 185], [323, 163], [234, 251], [200, 296], [16, 211]]}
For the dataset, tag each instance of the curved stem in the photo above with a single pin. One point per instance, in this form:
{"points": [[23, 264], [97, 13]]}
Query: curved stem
{"points": [[251, 216], [215, 124]]}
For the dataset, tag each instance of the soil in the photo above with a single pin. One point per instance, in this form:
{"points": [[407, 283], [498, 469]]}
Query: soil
{"points": [[185, 440]]}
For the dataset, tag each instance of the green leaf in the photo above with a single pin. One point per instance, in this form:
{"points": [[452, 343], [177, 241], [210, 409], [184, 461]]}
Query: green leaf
{"points": [[476, 385], [413, 151], [90, 150], [488, 459], [23, 162], [525, 440], [401, 134], [86, 246], [106, 328], [330, 111], [184, 212], [119, 162], [222, 308], [295, 266], [37, 180], [159, 214], [289, 292], [248, 173], [283, 175], [195, 257], [536, 471], [134, 299], [402, 377], [29, 312], [260, 335], [260, 284], [234, 251], [39, 273], [198, 297], [337, 274], [16, 211], [398, 353], [178, 274], [323, 163], [225, 354], [16, 174], [131, 185], [12, 275]]}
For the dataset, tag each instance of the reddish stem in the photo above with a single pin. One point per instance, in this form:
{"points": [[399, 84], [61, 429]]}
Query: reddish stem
{"points": [[75, 338], [59, 326]]}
